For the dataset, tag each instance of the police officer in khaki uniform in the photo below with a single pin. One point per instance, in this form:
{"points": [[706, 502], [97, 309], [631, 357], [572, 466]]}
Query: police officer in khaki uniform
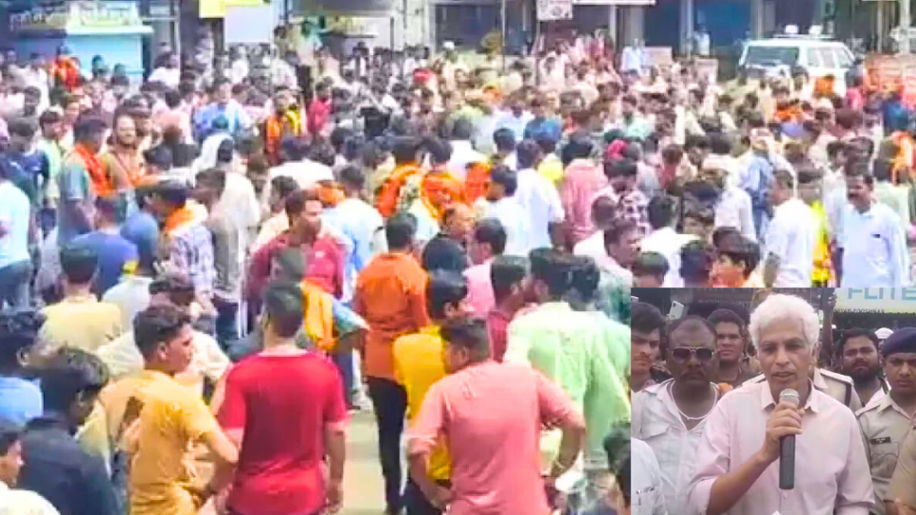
{"points": [[886, 418], [903, 482]]}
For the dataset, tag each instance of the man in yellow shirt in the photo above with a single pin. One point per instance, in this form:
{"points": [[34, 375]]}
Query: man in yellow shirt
{"points": [[162, 418], [80, 320], [418, 363]]}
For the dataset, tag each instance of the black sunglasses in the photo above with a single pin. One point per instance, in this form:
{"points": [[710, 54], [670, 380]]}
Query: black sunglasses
{"points": [[683, 354]]}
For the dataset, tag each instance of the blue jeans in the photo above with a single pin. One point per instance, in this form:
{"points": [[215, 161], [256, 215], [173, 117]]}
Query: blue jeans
{"points": [[226, 322], [344, 361], [415, 503], [14, 284]]}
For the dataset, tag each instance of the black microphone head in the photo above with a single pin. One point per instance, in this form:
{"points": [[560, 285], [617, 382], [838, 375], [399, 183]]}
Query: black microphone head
{"points": [[790, 396]]}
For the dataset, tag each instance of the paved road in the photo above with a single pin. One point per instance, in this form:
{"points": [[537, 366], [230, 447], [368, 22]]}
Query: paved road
{"points": [[363, 486]]}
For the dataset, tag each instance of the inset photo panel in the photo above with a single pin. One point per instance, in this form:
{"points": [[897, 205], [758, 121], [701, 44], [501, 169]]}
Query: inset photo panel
{"points": [[773, 401]]}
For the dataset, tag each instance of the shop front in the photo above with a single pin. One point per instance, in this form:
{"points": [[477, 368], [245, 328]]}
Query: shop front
{"points": [[875, 307], [111, 29]]}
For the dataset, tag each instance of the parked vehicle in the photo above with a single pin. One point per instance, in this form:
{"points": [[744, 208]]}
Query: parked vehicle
{"points": [[818, 55]]}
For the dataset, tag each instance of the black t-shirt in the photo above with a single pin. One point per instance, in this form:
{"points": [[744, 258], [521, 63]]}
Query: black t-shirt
{"points": [[374, 121]]}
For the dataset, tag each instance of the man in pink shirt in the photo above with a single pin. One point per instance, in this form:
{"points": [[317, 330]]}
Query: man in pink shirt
{"points": [[489, 241], [492, 414], [737, 459], [582, 179]]}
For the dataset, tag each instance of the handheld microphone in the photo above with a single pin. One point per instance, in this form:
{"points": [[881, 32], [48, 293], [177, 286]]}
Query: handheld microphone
{"points": [[787, 446]]}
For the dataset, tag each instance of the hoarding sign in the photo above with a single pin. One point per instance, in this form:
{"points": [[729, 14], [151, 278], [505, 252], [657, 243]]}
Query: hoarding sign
{"points": [[85, 15], [550, 10], [884, 300]]}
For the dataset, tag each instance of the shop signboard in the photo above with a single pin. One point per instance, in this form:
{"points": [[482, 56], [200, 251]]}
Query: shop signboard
{"points": [[551, 10], [76, 15], [883, 300]]}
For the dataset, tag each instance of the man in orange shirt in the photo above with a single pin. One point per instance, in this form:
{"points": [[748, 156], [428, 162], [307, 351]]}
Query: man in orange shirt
{"points": [[285, 122], [391, 297]]}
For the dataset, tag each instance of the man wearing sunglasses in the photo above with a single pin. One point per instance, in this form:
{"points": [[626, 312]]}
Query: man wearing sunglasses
{"points": [[737, 469], [671, 416]]}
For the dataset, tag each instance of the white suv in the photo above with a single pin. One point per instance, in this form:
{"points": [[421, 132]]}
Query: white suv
{"points": [[819, 57]]}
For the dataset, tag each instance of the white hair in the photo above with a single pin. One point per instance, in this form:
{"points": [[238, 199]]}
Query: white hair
{"points": [[781, 306]]}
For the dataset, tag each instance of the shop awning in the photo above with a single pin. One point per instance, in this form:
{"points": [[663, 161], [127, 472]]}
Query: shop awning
{"points": [[876, 300]]}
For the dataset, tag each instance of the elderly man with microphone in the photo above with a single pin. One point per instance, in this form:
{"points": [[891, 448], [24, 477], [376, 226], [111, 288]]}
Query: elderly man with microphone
{"points": [[780, 446]]}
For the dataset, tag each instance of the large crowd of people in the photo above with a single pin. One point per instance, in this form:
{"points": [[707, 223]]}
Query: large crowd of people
{"points": [[205, 273], [709, 418], [294, 235]]}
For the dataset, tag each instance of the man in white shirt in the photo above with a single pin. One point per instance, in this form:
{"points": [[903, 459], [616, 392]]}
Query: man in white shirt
{"points": [[123, 358], [791, 237], [15, 261], [500, 203], [36, 75], [282, 73], [239, 68], [296, 164], [538, 197], [736, 464], [664, 239], [463, 152], [632, 58], [168, 72], [671, 416], [504, 140], [719, 157], [872, 244], [515, 118], [131, 295], [734, 209], [602, 214], [621, 244], [645, 483], [701, 42]]}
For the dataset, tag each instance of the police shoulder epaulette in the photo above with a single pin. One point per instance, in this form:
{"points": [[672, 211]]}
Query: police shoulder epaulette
{"points": [[835, 375]]}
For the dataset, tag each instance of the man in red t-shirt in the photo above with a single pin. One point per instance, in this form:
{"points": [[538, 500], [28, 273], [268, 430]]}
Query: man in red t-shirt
{"points": [[319, 111], [284, 408]]}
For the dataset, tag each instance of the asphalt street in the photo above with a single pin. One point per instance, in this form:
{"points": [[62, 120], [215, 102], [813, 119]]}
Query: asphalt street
{"points": [[363, 485]]}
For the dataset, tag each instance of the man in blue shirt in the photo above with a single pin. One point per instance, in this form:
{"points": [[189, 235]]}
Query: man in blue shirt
{"points": [[223, 106], [542, 124], [897, 117], [20, 398], [142, 229], [113, 250], [26, 167]]}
